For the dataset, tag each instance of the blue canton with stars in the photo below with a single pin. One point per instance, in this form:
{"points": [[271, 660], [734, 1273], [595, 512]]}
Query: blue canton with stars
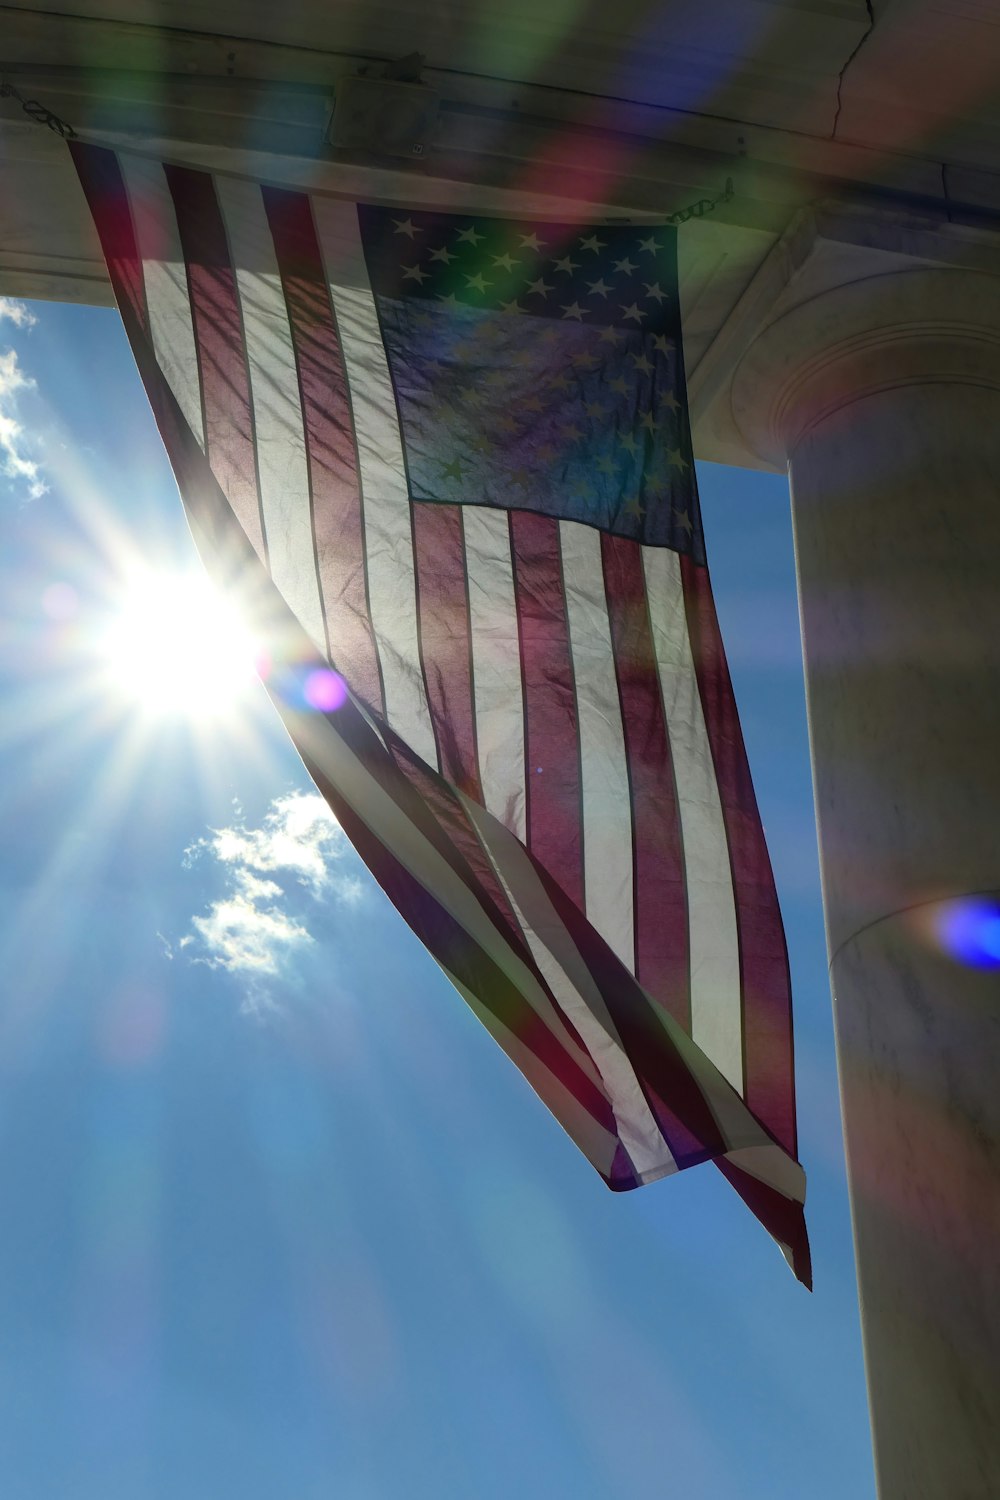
{"points": [[539, 367]]}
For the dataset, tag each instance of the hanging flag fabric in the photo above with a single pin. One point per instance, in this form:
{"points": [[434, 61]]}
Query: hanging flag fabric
{"points": [[445, 460]]}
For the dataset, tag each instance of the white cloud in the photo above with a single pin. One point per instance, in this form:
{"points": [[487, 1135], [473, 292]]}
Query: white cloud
{"points": [[17, 313], [238, 934], [248, 931], [14, 462], [299, 835]]}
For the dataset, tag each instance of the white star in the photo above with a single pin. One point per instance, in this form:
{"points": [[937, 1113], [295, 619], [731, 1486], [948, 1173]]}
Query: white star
{"points": [[653, 290], [531, 242], [611, 335], [541, 287], [414, 273], [442, 254], [633, 312], [671, 402], [599, 288], [477, 283], [629, 443], [407, 226], [505, 261], [592, 243], [574, 310], [648, 421], [664, 345], [676, 460], [567, 265], [469, 236], [649, 244], [511, 307], [450, 300], [625, 266], [642, 363]]}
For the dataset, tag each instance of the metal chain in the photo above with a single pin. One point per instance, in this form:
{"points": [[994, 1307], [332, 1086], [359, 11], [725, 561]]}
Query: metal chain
{"points": [[42, 116], [38, 112], [703, 206]]}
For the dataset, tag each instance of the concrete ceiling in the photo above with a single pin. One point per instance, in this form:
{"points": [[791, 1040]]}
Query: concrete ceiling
{"points": [[568, 106]]}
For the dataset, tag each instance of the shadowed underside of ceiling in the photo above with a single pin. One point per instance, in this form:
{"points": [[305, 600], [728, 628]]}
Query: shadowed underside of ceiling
{"points": [[572, 106]]}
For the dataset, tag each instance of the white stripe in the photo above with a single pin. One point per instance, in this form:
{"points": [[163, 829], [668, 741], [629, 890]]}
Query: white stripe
{"points": [[165, 277], [716, 1021], [570, 981], [280, 434], [496, 664], [388, 524], [607, 806]]}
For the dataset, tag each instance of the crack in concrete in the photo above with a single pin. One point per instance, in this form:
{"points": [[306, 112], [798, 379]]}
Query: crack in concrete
{"points": [[843, 72]]}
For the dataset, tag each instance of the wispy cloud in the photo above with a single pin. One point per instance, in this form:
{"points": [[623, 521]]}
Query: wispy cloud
{"points": [[16, 313], [14, 460], [299, 835], [249, 929]]}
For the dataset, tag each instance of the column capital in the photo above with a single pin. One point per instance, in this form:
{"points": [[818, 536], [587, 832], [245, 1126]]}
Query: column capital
{"points": [[928, 326]]}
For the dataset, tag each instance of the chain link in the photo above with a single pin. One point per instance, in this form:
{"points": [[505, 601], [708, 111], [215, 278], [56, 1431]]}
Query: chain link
{"points": [[703, 206], [38, 112]]}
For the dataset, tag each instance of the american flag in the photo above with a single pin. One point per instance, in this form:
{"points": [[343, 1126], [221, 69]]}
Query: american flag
{"points": [[448, 457]]}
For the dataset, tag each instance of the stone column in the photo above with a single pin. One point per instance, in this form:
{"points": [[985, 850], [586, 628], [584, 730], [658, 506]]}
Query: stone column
{"points": [[883, 396]]}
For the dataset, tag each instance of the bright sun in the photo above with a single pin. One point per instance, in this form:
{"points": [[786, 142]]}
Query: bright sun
{"points": [[177, 649]]}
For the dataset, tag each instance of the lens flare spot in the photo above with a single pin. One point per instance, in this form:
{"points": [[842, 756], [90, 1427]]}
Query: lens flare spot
{"points": [[60, 602], [131, 1028], [969, 931], [324, 690]]}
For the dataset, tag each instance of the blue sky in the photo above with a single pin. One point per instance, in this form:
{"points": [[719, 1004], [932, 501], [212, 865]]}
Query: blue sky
{"points": [[277, 1218]]}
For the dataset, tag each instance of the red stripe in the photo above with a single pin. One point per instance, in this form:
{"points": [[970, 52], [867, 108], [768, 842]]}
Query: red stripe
{"points": [[446, 648], [767, 1002], [672, 1093], [551, 742], [333, 462], [780, 1216], [218, 333], [659, 893], [104, 186]]}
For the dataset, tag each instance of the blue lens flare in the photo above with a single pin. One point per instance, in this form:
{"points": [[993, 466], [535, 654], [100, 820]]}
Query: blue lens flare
{"points": [[969, 931]]}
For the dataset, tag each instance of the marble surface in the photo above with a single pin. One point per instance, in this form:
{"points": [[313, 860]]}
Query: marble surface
{"points": [[896, 507], [885, 395], [919, 1044]]}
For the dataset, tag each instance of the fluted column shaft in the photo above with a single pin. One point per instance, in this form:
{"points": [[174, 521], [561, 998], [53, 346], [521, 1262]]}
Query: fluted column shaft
{"points": [[884, 396]]}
